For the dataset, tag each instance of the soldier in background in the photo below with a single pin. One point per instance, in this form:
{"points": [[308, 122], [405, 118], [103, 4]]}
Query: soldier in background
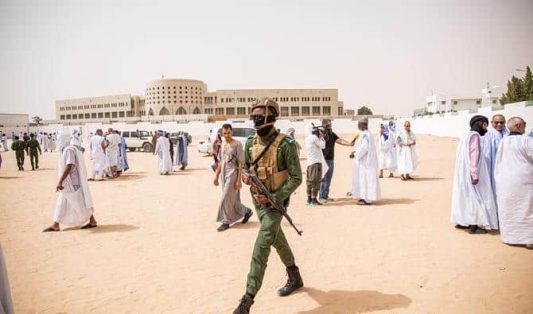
{"points": [[33, 146], [18, 146]]}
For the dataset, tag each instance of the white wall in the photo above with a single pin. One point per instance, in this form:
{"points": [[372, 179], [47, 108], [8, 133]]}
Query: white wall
{"points": [[449, 124]]}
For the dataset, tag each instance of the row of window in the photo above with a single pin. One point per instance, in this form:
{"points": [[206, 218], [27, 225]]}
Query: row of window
{"points": [[95, 106], [280, 99], [181, 92], [97, 115], [170, 102], [169, 97], [284, 111], [174, 87]]}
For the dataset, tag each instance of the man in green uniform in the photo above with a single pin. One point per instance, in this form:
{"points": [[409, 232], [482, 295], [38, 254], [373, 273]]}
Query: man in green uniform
{"points": [[33, 146], [19, 147], [274, 159]]}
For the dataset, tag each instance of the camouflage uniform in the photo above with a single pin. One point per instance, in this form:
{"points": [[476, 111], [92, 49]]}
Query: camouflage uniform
{"points": [[34, 150], [18, 146]]}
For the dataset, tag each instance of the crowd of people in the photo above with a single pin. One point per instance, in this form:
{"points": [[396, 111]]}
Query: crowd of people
{"points": [[164, 151], [493, 180], [109, 154]]}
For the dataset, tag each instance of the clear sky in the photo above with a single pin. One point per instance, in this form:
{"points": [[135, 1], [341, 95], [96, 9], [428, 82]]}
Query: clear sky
{"points": [[388, 55]]}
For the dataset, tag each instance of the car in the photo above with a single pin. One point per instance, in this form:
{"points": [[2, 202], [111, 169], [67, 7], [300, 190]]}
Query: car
{"points": [[138, 139], [204, 147]]}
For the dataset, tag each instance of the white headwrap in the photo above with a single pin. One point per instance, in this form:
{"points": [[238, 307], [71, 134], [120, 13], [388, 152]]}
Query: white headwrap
{"points": [[63, 140], [76, 138]]}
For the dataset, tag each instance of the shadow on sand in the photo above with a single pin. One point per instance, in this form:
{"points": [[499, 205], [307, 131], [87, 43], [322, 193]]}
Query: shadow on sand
{"points": [[385, 201], [113, 228], [425, 179], [340, 301], [248, 225], [9, 178]]}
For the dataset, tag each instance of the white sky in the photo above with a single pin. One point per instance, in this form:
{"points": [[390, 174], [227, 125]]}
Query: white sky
{"points": [[388, 55]]}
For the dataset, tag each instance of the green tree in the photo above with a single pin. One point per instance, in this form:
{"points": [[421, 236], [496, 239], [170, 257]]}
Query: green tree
{"points": [[364, 111], [528, 84], [37, 120]]}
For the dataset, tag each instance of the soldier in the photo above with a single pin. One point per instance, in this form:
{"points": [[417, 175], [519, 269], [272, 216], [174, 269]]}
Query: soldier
{"points": [[19, 147], [33, 146], [274, 159]]}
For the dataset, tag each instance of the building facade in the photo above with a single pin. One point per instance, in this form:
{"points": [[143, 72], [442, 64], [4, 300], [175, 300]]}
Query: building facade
{"points": [[184, 97], [14, 124]]}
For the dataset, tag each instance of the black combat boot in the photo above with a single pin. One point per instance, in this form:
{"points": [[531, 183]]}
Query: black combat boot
{"points": [[244, 307], [293, 283]]}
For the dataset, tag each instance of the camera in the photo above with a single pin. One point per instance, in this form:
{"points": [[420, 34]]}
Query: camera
{"points": [[318, 130]]}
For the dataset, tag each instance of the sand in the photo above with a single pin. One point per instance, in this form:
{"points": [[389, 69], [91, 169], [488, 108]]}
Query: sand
{"points": [[157, 249]]}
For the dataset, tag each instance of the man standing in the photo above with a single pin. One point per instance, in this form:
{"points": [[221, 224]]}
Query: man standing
{"points": [[274, 159], [365, 182], [514, 185], [122, 164], [407, 159], [111, 151], [387, 156], [230, 166], [182, 156], [74, 206], [171, 146], [4, 142], [316, 165], [331, 139], [162, 151], [19, 148], [491, 141], [98, 156], [34, 147], [473, 204]]}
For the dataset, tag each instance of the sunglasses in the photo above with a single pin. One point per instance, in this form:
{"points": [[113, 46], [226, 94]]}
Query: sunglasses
{"points": [[499, 122]]}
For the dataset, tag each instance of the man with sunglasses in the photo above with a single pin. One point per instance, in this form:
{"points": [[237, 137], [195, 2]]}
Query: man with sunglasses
{"points": [[491, 141], [273, 158]]}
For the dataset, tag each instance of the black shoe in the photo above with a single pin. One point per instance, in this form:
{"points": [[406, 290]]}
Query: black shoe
{"points": [[460, 227], [245, 305], [294, 282], [473, 229], [314, 201], [247, 216], [223, 227]]}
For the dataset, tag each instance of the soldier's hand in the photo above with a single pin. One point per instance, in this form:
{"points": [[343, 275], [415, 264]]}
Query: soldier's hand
{"points": [[245, 178], [59, 187], [261, 199]]}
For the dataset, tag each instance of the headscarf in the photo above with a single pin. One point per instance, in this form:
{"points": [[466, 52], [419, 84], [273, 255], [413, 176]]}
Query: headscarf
{"points": [[63, 140], [385, 131], [392, 126], [290, 132], [76, 138], [476, 124]]}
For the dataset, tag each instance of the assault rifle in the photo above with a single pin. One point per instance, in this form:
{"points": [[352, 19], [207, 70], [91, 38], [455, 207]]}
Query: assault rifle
{"points": [[275, 204]]}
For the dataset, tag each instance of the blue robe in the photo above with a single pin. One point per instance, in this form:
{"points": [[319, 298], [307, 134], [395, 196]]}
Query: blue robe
{"points": [[491, 141], [182, 157], [122, 156]]}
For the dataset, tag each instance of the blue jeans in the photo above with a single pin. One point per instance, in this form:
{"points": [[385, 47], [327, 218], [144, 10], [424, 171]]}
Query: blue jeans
{"points": [[326, 181]]}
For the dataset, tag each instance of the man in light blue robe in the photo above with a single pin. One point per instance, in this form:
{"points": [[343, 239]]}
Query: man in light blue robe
{"points": [[182, 157], [122, 156], [491, 142]]}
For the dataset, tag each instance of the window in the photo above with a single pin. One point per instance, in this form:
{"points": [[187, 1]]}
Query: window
{"points": [[74, 117], [295, 111], [230, 111], [93, 115], [87, 116], [114, 114], [107, 115], [106, 106], [219, 111], [68, 117], [316, 110], [478, 102], [241, 110], [326, 110], [80, 116], [100, 115], [494, 101], [455, 102], [125, 134], [284, 111], [305, 111], [62, 117]]}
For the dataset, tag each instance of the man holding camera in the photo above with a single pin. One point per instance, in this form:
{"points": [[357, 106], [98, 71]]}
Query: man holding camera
{"points": [[316, 165], [329, 153]]}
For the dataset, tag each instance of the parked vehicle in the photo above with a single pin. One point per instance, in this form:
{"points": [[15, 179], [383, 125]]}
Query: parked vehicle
{"points": [[174, 137], [138, 139], [240, 133]]}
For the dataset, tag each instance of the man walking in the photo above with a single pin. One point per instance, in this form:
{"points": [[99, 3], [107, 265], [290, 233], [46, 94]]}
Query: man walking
{"points": [[274, 159], [19, 148], [3, 140], [331, 139], [34, 147]]}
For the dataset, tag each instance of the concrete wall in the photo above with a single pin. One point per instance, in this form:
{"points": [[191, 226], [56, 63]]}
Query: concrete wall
{"points": [[448, 124]]}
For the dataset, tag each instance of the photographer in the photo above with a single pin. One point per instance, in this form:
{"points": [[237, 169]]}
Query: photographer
{"points": [[329, 152], [316, 165]]}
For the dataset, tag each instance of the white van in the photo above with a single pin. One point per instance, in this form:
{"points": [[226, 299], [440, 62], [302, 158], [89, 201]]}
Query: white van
{"points": [[138, 139], [240, 133]]}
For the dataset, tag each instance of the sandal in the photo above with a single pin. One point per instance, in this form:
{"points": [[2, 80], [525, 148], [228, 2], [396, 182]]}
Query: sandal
{"points": [[50, 229], [89, 226]]}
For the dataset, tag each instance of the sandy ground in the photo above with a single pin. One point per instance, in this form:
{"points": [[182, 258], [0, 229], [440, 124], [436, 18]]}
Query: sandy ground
{"points": [[157, 249]]}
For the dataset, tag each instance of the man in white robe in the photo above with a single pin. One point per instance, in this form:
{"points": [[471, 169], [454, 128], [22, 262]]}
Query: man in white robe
{"points": [[365, 182], [407, 158], [514, 185], [98, 156], [162, 151], [491, 141], [112, 150], [74, 206], [387, 156], [473, 204]]}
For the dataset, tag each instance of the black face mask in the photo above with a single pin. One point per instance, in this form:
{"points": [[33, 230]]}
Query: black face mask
{"points": [[259, 120]]}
